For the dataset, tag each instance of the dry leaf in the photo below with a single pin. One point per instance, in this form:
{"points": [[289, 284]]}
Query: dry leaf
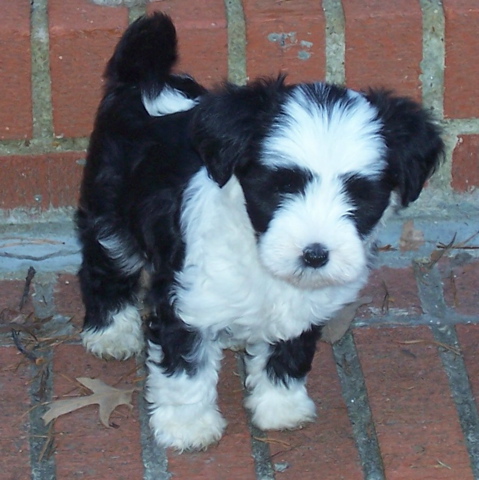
{"points": [[339, 324], [411, 239], [108, 398]]}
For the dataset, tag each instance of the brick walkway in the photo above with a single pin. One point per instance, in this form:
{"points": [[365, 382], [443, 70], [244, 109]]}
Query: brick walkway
{"points": [[395, 397]]}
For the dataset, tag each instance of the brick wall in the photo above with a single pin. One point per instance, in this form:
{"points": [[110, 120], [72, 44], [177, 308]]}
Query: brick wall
{"points": [[54, 51]]}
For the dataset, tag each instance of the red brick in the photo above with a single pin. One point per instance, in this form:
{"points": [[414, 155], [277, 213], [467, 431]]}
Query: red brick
{"points": [[324, 449], [68, 300], [202, 37], [285, 37], [461, 284], [383, 44], [392, 290], [231, 458], [415, 417], [84, 447], [82, 39], [15, 70], [465, 163], [42, 181], [462, 46], [10, 290], [14, 443], [468, 336]]}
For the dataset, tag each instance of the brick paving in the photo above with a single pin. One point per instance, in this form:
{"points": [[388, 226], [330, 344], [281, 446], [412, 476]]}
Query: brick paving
{"points": [[396, 396], [395, 399]]}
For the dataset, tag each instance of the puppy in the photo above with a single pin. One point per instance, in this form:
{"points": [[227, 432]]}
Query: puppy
{"points": [[253, 209]]}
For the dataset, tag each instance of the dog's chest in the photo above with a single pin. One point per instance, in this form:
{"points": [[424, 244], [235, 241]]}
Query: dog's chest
{"points": [[223, 286]]}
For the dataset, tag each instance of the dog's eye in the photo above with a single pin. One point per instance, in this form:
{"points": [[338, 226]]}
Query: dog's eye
{"points": [[286, 188], [360, 188], [289, 181], [369, 198]]}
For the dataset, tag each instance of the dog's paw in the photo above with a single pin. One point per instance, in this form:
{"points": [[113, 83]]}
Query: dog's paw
{"points": [[187, 427], [121, 339], [281, 409]]}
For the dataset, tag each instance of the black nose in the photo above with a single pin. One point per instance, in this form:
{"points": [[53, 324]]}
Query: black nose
{"points": [[315, 255]]}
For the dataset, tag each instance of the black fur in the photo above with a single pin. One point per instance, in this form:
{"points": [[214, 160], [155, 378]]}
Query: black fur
{"points": [[135, 175], [413, 140], [370, 197], [231, 124], [292, 359]]}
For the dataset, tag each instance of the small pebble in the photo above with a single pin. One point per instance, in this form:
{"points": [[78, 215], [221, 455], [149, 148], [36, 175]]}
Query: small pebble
{"points": [[281, 467]]}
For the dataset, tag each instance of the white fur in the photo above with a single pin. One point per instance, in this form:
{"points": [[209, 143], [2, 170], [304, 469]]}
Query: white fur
{"points": [[167, 102], [183, 410], [298, 223], [329, 143], [228, 280], [224, 283], [128, 262], [275, 406], [122, 339]]}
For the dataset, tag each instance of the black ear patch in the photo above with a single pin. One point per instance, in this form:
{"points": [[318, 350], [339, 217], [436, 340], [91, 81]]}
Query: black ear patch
{"points": [[229, 126], [413, 140]]}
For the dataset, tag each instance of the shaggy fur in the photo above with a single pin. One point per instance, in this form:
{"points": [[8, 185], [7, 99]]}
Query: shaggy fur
{"points": [[253, 209]]}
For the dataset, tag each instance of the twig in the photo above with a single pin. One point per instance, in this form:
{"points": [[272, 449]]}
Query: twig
{"points": [[26, 289], [454, 289], [18, 328], [438, 254], [44, 343], [16, 340], [386, 299], [430, 342], [49, 445], [461, 245], [273, 440], [387, 248], [127, 374], [442, 465]]}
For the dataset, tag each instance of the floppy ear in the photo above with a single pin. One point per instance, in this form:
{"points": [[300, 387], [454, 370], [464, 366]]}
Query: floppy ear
{"points": [[229, 126], [414, 144]]}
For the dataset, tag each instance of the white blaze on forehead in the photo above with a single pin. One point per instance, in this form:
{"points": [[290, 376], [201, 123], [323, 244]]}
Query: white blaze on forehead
{"points": [[329, 138]]}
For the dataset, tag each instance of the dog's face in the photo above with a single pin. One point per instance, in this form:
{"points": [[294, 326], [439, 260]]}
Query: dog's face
{"points": [[318, 165]]}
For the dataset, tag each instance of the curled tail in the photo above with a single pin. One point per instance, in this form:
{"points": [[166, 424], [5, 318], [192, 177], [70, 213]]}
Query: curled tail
{"points": [[144, 58], [145, 55]]}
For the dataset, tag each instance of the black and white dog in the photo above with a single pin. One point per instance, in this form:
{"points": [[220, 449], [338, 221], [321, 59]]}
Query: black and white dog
{"points": [[253, 209]]}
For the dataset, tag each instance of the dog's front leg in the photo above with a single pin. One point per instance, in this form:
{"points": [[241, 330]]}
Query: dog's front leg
{"points": [[183, 369], [276, 378]]}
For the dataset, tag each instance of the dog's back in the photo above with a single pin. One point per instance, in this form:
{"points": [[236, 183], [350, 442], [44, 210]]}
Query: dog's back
{"points": [[131, 137]]}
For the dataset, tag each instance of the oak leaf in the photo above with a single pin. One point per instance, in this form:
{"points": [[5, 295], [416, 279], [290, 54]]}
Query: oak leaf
{"points": [[411, 238], [339, 324], [107, 397]]}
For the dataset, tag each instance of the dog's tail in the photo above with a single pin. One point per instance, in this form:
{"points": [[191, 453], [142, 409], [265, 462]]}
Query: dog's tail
{"points": [[144, 58], [145, 55]]}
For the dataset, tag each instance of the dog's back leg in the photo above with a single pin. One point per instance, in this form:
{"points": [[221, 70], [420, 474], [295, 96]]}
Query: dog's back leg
{"points": [[112, 325], [276, 378], [183, 366]]}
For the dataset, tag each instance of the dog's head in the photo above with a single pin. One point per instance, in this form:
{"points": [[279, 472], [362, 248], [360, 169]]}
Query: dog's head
{"points": [[318, 165]]}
